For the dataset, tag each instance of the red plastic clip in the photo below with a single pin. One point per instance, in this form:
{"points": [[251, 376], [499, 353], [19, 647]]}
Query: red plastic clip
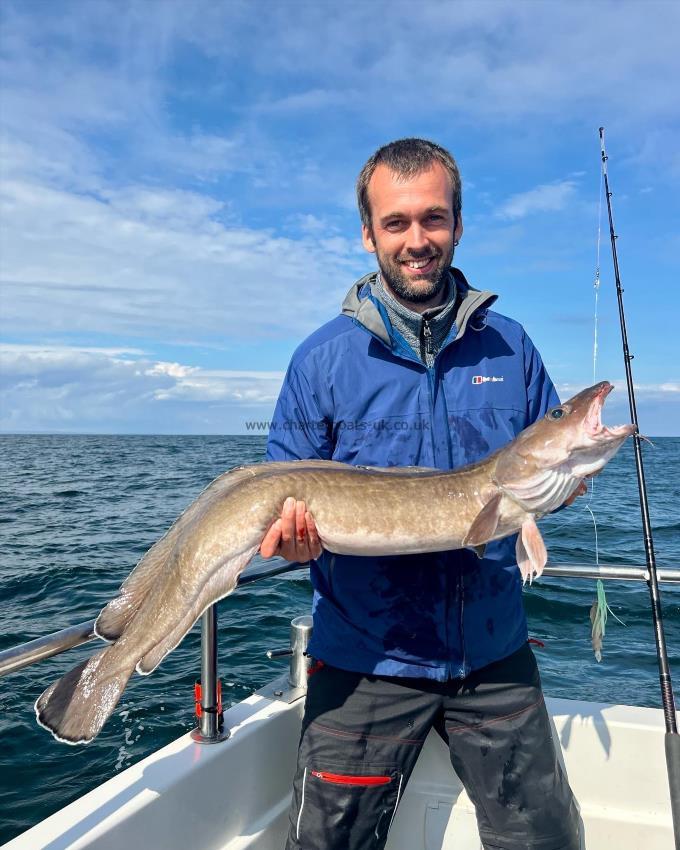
{"points": [[537, 642], [198, 696]]}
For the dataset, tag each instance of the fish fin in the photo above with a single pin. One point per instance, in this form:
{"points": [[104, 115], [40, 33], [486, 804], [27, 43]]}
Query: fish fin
{"points": [[530, 550], [114, 617], [480, 550], [401, 469], [75, 707], [522, 557], [485, 523], [219, 585]]}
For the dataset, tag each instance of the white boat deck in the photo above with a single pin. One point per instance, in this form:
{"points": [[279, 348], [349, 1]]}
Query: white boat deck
{"points": [[235, 795]]}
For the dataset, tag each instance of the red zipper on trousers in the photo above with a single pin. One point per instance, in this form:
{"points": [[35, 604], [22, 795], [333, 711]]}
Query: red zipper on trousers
{"points": [[344, 779]]}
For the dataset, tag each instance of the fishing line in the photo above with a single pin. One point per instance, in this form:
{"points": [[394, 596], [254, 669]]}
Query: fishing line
{"points": [[600, 608], [596, 283]]}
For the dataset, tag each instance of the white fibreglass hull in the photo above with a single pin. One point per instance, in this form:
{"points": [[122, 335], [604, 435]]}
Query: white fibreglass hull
{"points": [[235, 795]]}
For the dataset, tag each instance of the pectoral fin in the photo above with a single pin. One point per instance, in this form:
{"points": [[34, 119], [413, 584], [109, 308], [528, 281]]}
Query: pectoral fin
{"points": [[484, 526], [530, 550]]}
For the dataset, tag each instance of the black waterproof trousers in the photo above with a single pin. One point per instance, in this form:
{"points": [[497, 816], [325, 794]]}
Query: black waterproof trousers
{"points": [[361, 736]]}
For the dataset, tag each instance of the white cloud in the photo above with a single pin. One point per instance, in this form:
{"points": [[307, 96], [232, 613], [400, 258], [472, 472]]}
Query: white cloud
{"points": [[10, 350], [174, 370], [145, 261], [167, 207], [549, 197], [224, 385], [311, 100], [56, 388]]}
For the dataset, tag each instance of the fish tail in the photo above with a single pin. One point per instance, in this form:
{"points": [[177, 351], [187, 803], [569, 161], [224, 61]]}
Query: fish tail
{"points": [[75, 707]]}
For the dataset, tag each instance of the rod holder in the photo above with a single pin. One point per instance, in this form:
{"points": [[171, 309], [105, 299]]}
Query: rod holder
{"points": [[300, 662], [209, 729]]}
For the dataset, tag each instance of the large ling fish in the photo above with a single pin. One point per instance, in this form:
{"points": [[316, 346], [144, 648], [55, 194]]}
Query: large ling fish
{"points": [[413, 510]]}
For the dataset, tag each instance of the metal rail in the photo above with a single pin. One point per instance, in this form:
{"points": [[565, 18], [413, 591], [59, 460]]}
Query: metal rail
{"points": [[18, 657], [604, 571], [33, 651]]}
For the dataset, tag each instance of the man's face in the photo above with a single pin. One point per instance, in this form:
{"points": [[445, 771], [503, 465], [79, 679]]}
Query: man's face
{"points": [[412, 232]]}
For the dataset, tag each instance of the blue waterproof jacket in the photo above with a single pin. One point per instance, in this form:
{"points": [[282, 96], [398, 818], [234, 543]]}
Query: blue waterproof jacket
{"points": [[356, 392]]}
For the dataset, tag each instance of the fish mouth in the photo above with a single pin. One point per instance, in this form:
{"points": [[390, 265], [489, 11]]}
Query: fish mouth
{"points": [[593, 424]]}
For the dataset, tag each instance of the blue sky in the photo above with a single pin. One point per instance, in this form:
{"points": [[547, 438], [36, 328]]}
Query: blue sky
{"points": [[177, 207]]}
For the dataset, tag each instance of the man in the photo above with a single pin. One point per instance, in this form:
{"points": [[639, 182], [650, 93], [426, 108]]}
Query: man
{"points": [[417, 370]]}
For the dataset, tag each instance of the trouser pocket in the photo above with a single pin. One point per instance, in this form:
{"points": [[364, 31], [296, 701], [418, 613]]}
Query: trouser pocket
{"points": [[348, 806]]}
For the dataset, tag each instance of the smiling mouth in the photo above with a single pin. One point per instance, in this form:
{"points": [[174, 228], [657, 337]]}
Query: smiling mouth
{"points": [[421, 265]]}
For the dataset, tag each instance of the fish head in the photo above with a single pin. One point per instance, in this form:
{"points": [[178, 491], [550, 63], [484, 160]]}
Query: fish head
{"points": [[570, 440]]}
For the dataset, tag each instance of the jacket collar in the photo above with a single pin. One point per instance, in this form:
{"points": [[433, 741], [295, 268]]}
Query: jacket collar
{"points": [[360, 305]]}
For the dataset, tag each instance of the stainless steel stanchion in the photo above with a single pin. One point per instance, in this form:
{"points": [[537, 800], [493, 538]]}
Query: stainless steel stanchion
{"points": [[208, 731]]}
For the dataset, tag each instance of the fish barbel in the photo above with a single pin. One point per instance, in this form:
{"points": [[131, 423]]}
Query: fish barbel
{"points": [[413, 510]]}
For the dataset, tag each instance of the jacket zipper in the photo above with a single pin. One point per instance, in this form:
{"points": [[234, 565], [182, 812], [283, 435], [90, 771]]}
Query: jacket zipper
{"points": [[427, 337], [430, 384]]}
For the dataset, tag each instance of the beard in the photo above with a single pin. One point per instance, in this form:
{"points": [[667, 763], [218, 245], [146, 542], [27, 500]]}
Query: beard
{"points": [[415, 288]]}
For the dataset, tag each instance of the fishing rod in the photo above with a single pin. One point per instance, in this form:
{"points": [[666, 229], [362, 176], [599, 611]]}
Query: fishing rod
{"points": [[672, 740]]}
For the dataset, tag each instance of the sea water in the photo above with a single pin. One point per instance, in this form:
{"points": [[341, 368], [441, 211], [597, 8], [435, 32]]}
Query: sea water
{"points": [[77, 513]]}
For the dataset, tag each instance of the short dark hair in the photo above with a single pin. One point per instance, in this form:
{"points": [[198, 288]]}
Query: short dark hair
{"points": [[407, 158]]}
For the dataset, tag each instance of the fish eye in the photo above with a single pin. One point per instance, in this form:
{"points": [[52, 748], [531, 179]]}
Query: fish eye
{"points": [[556, 413]]}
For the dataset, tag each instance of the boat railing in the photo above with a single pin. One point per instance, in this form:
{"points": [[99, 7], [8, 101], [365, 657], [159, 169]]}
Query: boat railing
{"points": [[208, 730]]}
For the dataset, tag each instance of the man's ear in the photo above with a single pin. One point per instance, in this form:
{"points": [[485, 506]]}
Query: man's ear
{"points": [[367, 238], [458, 232]]}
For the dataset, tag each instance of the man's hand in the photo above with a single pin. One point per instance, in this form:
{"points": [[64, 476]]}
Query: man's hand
{"points": [[294, 536], [581, 490]]}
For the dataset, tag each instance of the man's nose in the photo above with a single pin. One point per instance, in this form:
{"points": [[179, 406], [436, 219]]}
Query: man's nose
{"points": [[416, 238]]}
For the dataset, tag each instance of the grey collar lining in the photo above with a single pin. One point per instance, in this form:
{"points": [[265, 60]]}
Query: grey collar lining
{"points": [[366, 313]]}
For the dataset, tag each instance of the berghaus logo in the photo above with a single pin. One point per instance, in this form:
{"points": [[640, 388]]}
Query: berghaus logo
{"points": [[486, 379]]}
